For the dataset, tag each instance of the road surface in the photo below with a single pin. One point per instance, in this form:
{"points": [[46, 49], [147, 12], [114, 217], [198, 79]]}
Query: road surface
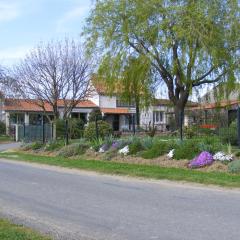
{"points": [[9, 146], [79, 205]]}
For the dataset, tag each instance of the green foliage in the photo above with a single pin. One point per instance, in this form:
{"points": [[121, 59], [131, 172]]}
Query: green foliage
{"points": [[147, 142], [76, 128], [104, 130], [73, 149], [229, 134], [189, 132], [170, 39], [190, 148], [135, 146], [54, 145], [2, 128], [97, 143], [32, 146], [158, 148], [60, 128], [234, 166], [95, 114], [187, 149], [9, 231]]}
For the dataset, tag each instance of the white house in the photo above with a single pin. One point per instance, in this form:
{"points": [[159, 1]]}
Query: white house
{"points": [[161, 114], [119, 114]]}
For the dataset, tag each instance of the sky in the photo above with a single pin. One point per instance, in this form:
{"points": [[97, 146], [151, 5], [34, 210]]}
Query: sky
{"points": [[25, 23]]}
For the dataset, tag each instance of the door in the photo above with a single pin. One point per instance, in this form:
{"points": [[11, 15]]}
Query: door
{"points": [[115, 122]]}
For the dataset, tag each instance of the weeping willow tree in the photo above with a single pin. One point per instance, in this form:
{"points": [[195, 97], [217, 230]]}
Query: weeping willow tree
{"points": [[133, 84], [189, 44]]}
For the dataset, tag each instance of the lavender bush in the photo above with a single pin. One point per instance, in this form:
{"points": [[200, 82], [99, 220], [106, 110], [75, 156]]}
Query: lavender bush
{"points": [[203, 159]]}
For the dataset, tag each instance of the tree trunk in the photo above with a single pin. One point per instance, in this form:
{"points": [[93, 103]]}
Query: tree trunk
{"points": [[179, 113]]}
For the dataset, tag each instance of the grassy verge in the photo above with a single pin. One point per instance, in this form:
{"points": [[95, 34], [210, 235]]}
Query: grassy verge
{"points": [[155, 172], [4, 138], [9, 231]]}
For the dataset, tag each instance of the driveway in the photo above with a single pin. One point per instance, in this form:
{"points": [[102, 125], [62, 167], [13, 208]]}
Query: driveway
{"points": [[78, 205], [8, 146]]}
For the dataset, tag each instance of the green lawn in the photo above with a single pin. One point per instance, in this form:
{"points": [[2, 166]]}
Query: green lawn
{"points": [[154, 172], [4, 138], [9, 231]]}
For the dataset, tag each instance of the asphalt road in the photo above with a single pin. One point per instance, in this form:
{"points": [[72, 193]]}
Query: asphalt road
{"points": [[78, 205]]}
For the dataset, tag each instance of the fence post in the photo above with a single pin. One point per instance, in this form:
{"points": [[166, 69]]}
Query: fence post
{"points": [[238, 125], [96, 126], [43, 132], [133, 120], [24, 131], [66, 132], [16, 133]]}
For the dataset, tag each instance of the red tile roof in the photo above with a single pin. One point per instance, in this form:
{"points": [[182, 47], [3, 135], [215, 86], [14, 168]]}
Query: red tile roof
{"points": [[33, 106], [221, 104], [115, 110]]}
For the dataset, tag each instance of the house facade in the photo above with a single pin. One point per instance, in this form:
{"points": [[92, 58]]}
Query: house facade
{"points": [[161, 115], [28, 112], [120, 115]]}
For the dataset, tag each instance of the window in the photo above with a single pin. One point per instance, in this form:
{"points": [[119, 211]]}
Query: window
{"points": [[157, 116], [121, 103]]}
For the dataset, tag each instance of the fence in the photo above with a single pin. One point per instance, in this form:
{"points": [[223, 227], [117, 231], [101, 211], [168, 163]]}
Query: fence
{"points": [[30, 133], [224, 123]]}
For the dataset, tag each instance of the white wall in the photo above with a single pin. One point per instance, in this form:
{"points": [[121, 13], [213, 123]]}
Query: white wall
{"points": [[107, 102], [95, 98]]}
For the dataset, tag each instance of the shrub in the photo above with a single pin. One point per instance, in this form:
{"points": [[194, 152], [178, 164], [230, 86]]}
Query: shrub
{"points": [[32, 146], [60, 128], [54, 145], [189, 132], [210, 144], [73, 149], [158, 149], [76, 128], [135, 146], [187, 149], [95, 114], [97, 143], [2, 128], [234, 167], [104, 130], [147, 142]]}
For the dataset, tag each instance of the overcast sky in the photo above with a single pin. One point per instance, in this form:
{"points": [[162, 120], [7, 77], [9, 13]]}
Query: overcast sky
{"points": [[24, 23]]}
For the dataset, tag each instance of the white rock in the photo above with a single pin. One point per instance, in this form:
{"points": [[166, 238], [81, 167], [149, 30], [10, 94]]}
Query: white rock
{"points": [[124, 150], [101, 150], [221, 156], [171, 153]]}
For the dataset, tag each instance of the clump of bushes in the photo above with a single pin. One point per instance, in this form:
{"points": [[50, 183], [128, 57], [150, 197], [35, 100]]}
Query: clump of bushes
{"points": [[73, 150], [158, 148], [234, 166], [54, 145], [104, 130], [32, 146], [187, 149], [135, 146], [75, 128]]}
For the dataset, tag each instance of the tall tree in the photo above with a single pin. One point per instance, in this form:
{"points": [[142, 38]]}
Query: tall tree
{"points": [[55, 71], [188, 43]]}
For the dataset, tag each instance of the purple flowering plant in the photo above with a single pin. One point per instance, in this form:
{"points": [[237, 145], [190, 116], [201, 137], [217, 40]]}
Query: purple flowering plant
{"points": [[203, 159]]}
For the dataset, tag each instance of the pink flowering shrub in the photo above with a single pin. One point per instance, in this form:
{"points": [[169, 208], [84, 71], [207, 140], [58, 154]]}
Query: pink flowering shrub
{"points": [[203, 159]]}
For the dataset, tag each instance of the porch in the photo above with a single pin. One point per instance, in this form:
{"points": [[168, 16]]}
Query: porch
{"points": [[121, 119]]}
